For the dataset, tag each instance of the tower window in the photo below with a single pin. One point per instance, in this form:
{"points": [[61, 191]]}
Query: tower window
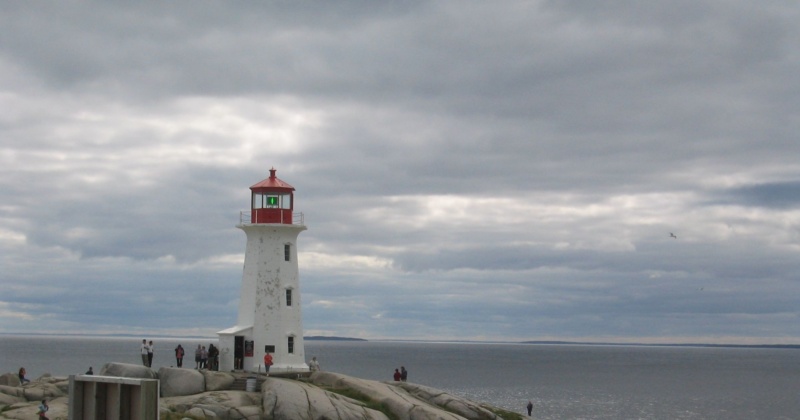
{"points": [[288, 297], [287, 252], [290, 344], [272, 201]]}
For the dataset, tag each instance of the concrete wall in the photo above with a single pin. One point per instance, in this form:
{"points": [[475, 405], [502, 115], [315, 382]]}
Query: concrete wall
{"points": [[112, 398]]}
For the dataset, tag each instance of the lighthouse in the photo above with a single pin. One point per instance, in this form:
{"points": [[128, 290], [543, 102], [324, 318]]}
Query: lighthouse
{"points": [[270, 319]]}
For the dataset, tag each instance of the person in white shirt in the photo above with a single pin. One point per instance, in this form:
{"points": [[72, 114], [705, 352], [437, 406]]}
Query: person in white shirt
{"points": [[145, 351], [150, 349]]}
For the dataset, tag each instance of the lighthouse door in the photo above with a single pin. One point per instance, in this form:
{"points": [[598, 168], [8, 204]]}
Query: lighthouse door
{"points": [[238, 352]]}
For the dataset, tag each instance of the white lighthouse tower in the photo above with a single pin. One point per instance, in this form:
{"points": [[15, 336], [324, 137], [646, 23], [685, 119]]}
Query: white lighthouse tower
{"points": [[270, 320]]}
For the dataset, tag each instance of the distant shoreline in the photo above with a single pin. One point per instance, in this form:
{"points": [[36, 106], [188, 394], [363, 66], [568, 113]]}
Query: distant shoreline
{"points": [[353, 339], [578, 343]]}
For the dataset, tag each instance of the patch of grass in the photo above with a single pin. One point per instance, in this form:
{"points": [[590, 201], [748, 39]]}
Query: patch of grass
{"points": [[367, 401], [504, 414]]}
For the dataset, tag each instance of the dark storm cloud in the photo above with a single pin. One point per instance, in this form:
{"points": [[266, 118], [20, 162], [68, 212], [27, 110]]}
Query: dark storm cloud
{"points": [[777, 195]]}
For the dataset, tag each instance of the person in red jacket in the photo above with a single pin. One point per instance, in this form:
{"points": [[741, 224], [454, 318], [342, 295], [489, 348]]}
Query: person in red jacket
{"points": [[267, 362], [179, 355], [397, 375]]}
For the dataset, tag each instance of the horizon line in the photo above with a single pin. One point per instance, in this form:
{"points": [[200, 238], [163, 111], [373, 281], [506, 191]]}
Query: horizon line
{"points": [[466, 341]]}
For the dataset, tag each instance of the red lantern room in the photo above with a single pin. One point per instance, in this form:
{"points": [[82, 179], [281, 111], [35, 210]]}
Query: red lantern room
{"points": [[272, 201]]}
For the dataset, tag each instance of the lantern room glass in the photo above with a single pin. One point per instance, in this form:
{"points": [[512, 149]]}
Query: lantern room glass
{"points": [[272, 201]]}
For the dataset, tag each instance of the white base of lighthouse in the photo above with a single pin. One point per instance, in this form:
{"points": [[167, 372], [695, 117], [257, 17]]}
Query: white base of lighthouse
{"points": [[270, 319]]}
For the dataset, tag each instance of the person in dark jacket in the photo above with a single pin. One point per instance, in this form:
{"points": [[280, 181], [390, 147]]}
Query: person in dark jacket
{"points": [[179, 352], [22, 379]]}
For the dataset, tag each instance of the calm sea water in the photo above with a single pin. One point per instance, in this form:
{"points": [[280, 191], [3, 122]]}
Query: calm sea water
{"points": [[563, 381]]}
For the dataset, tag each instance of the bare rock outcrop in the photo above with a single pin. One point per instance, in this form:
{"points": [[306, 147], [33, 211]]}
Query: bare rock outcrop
{"points": [[59, 408], [226, 405], [45, 387], [398, 400], [287, 399], [463, 407], [323, 395]]}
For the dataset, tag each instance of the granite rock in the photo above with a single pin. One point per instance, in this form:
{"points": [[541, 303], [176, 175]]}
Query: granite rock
{"points": [[10, 379], [320, 396], [128, 370], [217, 381], [179, 381], [402, 404], [288, 399]]}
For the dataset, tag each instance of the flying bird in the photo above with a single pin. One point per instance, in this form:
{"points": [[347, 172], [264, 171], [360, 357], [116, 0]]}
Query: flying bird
{"points": [[673, 235]]}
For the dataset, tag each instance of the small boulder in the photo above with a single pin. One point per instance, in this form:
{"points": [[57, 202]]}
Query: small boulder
{"points": [[178, 382], [38, 391], [10, 379], [217, 381], [127, 370], [6, 399], [14, 391]]}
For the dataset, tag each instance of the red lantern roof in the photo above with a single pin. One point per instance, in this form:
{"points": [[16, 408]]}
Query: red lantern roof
{"points": [[272, 183]]}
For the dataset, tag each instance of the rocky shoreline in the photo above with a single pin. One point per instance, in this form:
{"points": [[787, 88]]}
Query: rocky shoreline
{"points": [[199, 394]]}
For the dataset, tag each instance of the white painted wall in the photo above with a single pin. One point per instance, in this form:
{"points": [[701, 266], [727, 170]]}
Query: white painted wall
{"points": [[265, 279]]}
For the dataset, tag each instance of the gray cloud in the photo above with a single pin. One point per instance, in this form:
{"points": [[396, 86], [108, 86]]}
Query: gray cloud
{"points": [[466, 171]]}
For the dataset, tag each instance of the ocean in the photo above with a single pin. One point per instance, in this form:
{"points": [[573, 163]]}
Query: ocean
{"points": [[562, 381]]}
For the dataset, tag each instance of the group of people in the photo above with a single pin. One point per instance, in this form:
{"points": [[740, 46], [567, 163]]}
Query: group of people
{"points": [[203, 358], [147, 353], [401, 374], [208, 359], [43, 407]]}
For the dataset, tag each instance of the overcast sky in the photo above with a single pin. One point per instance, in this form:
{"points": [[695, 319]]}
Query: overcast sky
{"points": [[467, 170]]}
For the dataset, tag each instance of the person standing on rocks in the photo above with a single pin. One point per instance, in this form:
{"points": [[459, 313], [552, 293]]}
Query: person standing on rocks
{"points": [[213, 356], [197, 355], [179, 355], [530, 408], [403, 373], [397, 375], [150, 350], [314, 364], [43, 407], [203, 358], [22, 379], [267, 362], [145, 351]]}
